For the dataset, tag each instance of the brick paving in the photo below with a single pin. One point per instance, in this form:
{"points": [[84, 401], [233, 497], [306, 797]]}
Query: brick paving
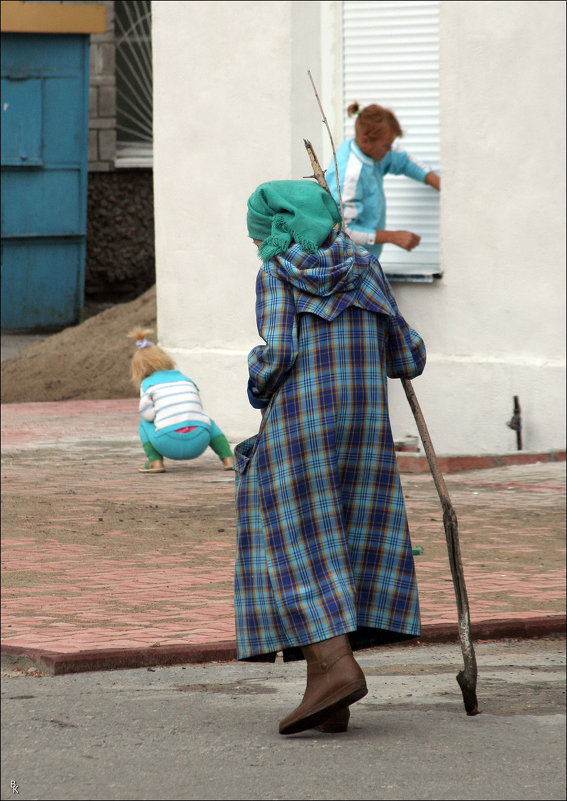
{"points": [[97, 557]]}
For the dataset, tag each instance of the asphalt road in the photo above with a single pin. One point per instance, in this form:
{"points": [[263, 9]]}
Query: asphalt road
{"points": [[210, 731]]}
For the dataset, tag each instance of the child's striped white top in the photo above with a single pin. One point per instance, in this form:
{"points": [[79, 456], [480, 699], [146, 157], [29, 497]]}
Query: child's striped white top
{"points": [[169, 398]]}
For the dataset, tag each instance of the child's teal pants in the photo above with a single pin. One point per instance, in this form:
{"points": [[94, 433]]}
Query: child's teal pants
{"points": [[187, 445]]}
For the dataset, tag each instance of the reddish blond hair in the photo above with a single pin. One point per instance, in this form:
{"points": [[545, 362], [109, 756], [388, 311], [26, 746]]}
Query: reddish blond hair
{"points": [[374, 121], [149, 359]]}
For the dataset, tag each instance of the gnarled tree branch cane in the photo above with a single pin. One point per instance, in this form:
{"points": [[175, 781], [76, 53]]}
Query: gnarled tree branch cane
{"points": [[322, 174], [466, 678]]}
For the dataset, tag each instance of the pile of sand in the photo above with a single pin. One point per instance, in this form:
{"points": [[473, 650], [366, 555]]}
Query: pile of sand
{"points": [[85, 362]]}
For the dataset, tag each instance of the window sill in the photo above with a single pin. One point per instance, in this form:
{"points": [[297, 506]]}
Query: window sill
{"points": [[414, 273], [130, 156]]}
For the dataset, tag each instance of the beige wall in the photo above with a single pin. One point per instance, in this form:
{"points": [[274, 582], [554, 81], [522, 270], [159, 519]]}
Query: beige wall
{"points": [[232, 104], [495, 324]]}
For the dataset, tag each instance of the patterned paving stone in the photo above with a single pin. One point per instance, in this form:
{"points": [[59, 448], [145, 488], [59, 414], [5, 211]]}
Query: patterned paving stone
{"points": [[96, 555]]}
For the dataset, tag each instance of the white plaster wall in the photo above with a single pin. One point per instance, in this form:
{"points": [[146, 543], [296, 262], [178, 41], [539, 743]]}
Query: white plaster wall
{"points": [[495, 324], [232, 104]]}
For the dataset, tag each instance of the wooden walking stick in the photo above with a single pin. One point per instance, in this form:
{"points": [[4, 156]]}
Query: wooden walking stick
{"points": [[467, 677]]}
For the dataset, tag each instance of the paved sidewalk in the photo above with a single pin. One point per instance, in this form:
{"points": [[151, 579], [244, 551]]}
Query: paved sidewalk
{"points": [[105, 567]]}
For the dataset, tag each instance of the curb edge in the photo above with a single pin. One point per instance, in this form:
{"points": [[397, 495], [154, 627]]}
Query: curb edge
{"points": [[57, 664]]}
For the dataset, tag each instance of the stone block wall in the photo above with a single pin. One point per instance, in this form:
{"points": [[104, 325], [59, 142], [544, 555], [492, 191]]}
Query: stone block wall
{"points": [[120, 263], [102, 97]]}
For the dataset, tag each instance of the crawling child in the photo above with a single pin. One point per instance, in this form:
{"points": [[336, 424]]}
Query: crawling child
{"points": [[173, 422]]}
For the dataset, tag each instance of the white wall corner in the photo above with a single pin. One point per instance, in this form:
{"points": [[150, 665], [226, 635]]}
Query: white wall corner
{"points": [[331, 84]]}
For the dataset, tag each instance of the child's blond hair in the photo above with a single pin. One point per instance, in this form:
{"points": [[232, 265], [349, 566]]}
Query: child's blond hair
{"points": [[149, 358]]}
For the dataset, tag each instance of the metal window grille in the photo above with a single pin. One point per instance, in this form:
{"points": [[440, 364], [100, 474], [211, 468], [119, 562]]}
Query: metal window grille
{"points": [[134, 85]]}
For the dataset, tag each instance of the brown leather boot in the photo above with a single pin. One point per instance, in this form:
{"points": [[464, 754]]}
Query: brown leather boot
{"points": [[336, 722], [334, 680]]}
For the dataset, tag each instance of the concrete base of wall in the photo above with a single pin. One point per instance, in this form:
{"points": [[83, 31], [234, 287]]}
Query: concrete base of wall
{"points": [[468, 402], [466, 407], [417, 462]]}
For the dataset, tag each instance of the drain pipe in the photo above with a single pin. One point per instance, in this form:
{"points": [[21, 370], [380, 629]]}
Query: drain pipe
{"points": [[516, 422]]}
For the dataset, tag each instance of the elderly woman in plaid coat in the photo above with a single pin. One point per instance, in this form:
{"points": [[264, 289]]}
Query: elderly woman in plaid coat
{"points": [[324, 561]]}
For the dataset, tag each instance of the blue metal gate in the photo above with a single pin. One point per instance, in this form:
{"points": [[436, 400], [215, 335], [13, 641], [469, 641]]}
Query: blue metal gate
{"points": [[45, 89]]}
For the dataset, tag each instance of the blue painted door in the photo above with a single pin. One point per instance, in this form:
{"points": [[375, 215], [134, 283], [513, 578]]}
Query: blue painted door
{"points": [[44, 113]]}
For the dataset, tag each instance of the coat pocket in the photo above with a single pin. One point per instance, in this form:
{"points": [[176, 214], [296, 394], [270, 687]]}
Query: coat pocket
{"points": [[243, 454]]}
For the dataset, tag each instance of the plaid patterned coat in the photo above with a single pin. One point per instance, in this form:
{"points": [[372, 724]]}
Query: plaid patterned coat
{"points": [[322, 540]]}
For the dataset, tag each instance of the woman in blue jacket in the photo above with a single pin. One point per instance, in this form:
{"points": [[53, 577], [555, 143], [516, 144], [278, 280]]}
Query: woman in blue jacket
{"points": [[362, 163]]}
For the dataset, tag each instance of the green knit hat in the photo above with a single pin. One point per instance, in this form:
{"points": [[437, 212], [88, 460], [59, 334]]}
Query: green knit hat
{"points": [[282, 212]]}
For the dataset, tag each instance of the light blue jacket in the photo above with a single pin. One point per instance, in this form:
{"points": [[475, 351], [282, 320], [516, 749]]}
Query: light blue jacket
{"points": [[362, 189]]}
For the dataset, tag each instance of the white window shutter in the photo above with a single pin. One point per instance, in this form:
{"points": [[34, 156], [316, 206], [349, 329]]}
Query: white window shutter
{"points": [[391, 57]]}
